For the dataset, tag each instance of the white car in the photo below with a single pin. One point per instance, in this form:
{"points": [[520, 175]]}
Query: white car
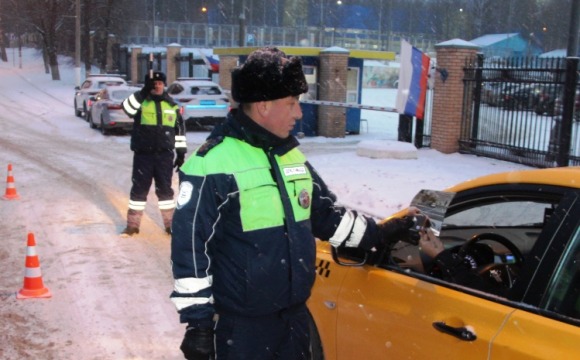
{"points": [[90, 87], [203, 103], [105, 111]]}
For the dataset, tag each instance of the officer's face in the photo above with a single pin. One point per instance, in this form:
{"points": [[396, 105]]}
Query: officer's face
{"points": [[281, 115], [158, 87]]}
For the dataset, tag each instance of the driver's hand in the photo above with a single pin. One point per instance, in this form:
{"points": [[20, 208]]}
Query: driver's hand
{"points": [[429, 243]]}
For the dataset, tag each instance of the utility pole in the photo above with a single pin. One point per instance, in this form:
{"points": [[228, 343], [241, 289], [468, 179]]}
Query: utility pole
{"points": [[78, 43], [3, 55], [572, 49], [242, 34]]}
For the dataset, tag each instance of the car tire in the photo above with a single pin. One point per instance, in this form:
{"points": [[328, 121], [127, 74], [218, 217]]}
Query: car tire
{"points": [[91, 122], [85, 111], [104, 130], [78, 113], [316, 351]]}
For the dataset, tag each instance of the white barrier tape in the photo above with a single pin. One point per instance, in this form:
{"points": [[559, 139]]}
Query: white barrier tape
{"points": [[350, 105]]}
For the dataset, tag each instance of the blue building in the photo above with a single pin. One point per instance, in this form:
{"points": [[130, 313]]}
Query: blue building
{"points": [[506, 45]]}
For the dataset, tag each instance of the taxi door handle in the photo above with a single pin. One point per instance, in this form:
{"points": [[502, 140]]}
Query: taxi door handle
{"points": [[461, 333]]}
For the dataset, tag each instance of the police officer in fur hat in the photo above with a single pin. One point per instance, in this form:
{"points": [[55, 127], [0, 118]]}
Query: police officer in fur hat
{"points": [[248, 211], [158, 132]]}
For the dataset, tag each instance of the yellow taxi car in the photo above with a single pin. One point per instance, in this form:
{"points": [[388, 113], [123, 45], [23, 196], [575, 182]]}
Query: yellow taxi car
{"points": [[391, 304]]}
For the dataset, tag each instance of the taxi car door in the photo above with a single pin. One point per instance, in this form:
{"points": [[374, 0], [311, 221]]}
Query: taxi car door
{"points": [[549, 326], [395, 318]]}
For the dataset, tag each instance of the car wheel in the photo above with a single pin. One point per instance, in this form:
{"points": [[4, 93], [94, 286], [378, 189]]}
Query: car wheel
{"points": [[85, 110], [316, 352], [104, 130], [78, 113], [90, 120]]}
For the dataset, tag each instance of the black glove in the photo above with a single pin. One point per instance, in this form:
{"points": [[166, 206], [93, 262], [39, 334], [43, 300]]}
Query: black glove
{"points": [[147, 87], [198, 344], [393, 230], [179, 160]]}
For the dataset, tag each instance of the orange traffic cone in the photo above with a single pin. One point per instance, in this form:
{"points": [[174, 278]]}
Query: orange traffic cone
{"points": [[10, 188], [33, 286]]}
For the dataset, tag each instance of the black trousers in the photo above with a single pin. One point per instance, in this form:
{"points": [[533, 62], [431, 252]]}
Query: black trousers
{"points": [[281, 336], [148, 167]]}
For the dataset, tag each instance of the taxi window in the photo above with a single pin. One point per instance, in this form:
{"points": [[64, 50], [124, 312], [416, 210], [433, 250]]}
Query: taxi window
{"points": [[564, 287], [514, 213]]}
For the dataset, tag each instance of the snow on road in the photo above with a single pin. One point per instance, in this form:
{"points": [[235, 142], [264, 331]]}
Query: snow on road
{"points": [[110, 296]]}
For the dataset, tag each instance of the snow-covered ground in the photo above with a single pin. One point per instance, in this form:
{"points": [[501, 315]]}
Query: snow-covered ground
{"points": [[110, 296]]}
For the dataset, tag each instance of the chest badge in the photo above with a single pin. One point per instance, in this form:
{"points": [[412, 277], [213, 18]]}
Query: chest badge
{"points": [[304, 199]]}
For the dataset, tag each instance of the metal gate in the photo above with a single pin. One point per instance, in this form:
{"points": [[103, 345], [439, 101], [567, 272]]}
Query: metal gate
{"points": [[523, 110]]}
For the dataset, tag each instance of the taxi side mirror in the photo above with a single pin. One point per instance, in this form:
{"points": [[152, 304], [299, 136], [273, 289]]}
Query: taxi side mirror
{"points": [[349, 256]]}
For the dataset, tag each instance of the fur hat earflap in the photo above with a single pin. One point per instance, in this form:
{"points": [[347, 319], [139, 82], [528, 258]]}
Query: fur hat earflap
{"points": [[267, 75]]}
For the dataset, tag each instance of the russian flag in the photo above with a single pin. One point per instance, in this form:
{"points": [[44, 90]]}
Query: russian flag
{"points": [[413, 77], [212, 64]]}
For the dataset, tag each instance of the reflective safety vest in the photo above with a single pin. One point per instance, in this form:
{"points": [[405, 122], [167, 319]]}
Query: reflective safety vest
{"points": [[254, 209], [260, 199], [168, 113]]}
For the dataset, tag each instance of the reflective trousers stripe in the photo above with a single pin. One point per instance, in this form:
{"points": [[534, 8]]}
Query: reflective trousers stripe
{"points": [[137, 205], [140, 205], [166, 204]]}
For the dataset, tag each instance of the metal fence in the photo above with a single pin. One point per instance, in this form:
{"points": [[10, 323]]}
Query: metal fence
{"points": [[202, 35], [523, 110]]}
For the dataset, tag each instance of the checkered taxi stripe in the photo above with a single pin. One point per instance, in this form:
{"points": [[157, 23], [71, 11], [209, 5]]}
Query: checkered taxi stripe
{"points": [[323, 268]]}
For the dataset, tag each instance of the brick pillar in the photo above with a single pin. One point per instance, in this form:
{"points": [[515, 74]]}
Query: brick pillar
{"points": [[173, 50], [135, 52], [448, 94], [332, 87]]}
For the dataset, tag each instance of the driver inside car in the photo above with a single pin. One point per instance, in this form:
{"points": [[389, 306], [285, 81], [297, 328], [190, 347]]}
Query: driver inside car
{"points": [[460, 268]]}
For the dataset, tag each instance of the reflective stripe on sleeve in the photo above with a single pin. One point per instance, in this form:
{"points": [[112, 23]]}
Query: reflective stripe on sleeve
{"points": [[351, 229], [180, 142], [182, 303], [191, 285], [131, 105], [358, 231]]}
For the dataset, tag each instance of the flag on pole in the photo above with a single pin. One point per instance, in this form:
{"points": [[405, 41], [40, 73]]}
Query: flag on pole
{"points": [[413, 77], [211, 63]]}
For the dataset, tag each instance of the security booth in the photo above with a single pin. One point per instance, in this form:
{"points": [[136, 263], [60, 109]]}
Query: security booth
{"points": [[334, 77]]}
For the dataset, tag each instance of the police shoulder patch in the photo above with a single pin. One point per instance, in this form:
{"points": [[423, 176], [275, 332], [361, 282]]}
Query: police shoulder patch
{"points": [[185, 192], [208, 145]]}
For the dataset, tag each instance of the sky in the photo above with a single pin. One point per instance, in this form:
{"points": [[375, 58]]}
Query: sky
{"points": [[110, 296]]}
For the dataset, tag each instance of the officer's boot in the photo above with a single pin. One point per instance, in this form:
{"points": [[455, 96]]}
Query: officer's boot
{"points": [[167, 216], [133, 223]]}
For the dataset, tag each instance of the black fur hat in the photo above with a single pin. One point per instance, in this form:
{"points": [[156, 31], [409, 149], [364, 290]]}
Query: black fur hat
{"points": [[267, 75], [157, 76]]}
